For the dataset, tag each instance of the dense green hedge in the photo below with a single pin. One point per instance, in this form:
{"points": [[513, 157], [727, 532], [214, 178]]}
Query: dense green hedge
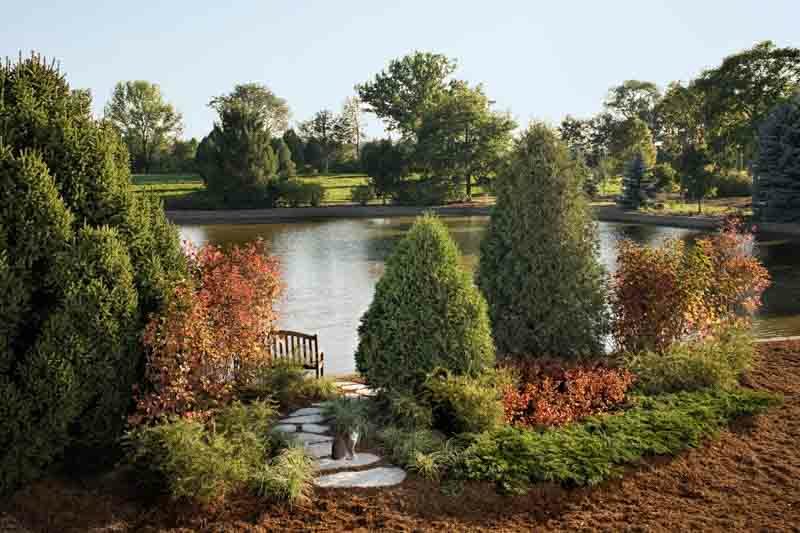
{"points": [[82, 262], [594, 450], [426, 313]]}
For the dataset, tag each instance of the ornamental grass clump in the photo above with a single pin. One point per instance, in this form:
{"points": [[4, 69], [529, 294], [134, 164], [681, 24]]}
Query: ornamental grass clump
{"points": [[719, 360], [206, 460], [538, 266], [426, 313]]}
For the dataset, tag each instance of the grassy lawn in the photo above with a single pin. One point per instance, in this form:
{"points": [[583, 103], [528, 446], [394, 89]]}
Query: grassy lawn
{"points": [[167, 185], [188, 190], [337, 186], [712, 208]]}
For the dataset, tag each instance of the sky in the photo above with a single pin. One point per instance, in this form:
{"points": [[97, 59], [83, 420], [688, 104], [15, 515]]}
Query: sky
{"points": [[538, 60]]}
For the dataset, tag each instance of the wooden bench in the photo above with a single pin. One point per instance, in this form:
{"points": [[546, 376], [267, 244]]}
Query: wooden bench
{"points": [[299, 348]]}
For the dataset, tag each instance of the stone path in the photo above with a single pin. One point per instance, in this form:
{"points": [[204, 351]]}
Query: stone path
{"points": [[352, 389], [308, 426]]}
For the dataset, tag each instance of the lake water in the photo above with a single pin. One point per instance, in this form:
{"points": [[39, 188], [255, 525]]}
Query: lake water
{"points": [[330, 268]]}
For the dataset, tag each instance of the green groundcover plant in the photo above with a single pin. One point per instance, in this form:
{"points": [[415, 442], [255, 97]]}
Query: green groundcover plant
{"points": [[594, 450]]}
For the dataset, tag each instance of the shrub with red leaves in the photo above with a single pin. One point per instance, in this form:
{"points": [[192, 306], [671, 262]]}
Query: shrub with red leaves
{"points": [[212, 333], [550, 394], [666, 294]]}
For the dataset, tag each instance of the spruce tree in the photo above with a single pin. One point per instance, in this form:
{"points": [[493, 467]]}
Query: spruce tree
{"points": [[538, 267], [426, 313], [777, 193], [632, 192], [236, 159], [286, 167], [83, 261]]}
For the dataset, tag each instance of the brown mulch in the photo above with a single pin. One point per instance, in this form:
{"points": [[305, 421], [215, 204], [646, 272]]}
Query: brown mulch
{"points": [[747, 480]]}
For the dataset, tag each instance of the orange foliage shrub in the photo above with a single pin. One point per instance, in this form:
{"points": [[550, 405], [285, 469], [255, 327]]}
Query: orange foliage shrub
{"points": [[549, 394], [212, 333], [662, 295]]}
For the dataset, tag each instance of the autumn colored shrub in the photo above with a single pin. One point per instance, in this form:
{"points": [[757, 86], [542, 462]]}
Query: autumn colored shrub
{"points": [[550, 394], [662, 295], [212, 335]]}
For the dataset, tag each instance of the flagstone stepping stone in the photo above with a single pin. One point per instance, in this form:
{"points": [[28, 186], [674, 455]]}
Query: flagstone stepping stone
{"points": [[285, 428], [311, 438], [383, 476], [353, 387], [315, 428], [307, 411], [319, 450], [361, 459], [305, 419]]}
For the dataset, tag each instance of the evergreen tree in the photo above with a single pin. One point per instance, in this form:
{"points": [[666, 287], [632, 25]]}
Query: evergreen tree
{"points": [[538, 267], [83, 261], [777, 194], [632, 182], [296, 147], [236, 159], [426, 313], [286, 167]]}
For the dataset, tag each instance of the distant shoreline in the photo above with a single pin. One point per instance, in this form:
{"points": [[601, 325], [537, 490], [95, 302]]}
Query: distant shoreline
{"points": [[604, 213]]}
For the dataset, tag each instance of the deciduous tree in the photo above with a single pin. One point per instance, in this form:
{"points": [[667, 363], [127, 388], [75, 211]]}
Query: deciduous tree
{"points": [[401, 93], [146, 122]]}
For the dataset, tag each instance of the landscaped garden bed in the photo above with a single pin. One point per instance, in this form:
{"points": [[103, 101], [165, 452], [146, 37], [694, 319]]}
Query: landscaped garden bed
{"points": [[747, 478]]}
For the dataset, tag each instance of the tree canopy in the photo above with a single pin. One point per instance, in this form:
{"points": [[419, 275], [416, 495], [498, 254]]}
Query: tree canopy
{"points": [[401, 93], [146, 122], [259, 100]]}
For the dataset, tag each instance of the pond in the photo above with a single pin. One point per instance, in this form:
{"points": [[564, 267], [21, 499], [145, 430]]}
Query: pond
{"points": [[330, 268]]}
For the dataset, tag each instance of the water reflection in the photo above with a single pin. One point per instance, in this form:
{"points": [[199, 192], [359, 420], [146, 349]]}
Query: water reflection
{"points": [[330, 268]]}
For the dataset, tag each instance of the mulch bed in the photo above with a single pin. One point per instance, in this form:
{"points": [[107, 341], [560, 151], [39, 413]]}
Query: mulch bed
{"points": [[747, 480]]}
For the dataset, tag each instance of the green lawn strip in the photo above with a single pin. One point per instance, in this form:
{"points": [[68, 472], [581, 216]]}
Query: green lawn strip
{"points": [[187, 191], [595, 449]]}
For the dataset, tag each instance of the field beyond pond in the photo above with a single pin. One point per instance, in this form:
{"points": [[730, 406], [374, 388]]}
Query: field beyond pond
{"points": [[746, 480], [187, 191]]}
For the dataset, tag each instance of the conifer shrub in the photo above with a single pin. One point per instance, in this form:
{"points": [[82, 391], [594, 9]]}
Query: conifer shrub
{"points": [[83, 261], [776, 198], [538, 267], [236, 159], [426, 313]]}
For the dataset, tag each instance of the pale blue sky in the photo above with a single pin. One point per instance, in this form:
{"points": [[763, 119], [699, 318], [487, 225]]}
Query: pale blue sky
{"points": [[538, 59]]}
